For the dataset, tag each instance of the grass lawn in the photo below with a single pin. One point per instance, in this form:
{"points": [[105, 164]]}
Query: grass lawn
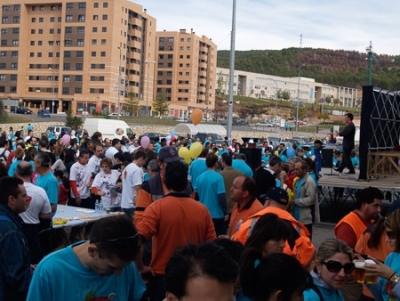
{"points": [[17, 119]]}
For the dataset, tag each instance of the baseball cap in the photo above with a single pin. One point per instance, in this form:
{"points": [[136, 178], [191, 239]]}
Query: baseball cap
{"points": [[169, 154], [278, 195]]}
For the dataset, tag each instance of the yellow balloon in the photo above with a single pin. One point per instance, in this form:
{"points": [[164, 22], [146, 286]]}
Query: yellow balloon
{"points": [[195, 150], [185, 154], [197, 116]]}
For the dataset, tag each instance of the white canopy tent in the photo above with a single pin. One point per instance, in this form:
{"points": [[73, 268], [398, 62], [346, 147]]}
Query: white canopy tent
{"points": [[182, 129]]}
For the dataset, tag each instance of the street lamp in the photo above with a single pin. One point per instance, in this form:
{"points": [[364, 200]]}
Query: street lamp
{"points": [[119, 83], [147, 91], [298, 100], [52, 94]]}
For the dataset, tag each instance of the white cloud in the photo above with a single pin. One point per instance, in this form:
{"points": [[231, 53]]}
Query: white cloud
{"points": [[268, 24]]}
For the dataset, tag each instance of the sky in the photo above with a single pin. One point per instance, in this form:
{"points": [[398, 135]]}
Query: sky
{"points": [[278, 24]]}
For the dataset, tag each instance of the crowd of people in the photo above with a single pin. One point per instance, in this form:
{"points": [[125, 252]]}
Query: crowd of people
{"points": [[211, 229]]}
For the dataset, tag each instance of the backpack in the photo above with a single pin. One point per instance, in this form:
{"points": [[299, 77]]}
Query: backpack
{"points": [[3, 158]]}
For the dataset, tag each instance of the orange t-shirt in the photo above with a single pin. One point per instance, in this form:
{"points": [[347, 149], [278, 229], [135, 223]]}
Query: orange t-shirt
{"points": [[240, 215], [174, 221]]}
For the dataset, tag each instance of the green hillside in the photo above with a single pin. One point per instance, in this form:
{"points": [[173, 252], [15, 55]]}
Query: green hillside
{"points": [[335, 67]]}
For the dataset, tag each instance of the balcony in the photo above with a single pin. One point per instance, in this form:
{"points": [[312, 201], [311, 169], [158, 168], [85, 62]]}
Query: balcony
{"points": [[134, 44]]}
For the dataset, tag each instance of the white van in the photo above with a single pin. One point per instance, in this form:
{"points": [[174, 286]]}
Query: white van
{"points": [[109, 128]]}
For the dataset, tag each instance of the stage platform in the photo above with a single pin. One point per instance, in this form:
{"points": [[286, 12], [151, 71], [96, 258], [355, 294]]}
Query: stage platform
{"points": [[337, 192]]}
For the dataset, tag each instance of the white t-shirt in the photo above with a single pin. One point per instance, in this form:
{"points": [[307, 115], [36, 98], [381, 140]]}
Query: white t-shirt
{"points": [[4, 152], [110, 152], [132, 176], [39, 204], [81, 174], [94, 164], [104, 182], [132, 148]]}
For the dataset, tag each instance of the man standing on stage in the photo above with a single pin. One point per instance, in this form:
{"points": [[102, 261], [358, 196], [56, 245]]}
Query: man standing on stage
{"points": [[348, 134]]}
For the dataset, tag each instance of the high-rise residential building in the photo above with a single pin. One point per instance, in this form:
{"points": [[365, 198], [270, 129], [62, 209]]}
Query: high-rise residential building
{"points": [[185, 71], [83, 55]]}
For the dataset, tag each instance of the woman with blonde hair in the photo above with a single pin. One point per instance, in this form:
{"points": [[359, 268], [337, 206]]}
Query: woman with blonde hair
{"points": [[333, 266]]}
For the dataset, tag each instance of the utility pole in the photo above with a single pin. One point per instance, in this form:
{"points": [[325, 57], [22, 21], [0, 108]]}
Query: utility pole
{"points": [[298, 91], [119, 83], [231, 72], [370, 58]]}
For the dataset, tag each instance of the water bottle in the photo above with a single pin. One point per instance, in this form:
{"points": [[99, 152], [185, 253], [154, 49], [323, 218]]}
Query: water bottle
{"points": [[97, 206], [101, 207]]}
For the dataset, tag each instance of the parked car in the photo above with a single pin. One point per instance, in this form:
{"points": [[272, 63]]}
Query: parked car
{"points": [[182, 120], [239, 122], [20, 110], [214, 137], [44, 114], [264, 124], [58, 129], [114, 114], [156, 137]]}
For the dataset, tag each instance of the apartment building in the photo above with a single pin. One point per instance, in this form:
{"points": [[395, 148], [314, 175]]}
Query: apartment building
{"points": [[83, 56], [185, 71], [264, 86]]}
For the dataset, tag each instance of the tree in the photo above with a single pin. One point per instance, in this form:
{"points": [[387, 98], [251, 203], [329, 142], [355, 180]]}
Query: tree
{"points": [[160, 104], [220, 82], [279, 94], [336, 102], [262, 92], [73, 121], [285, 94], [3, 113], [251, 92], [132, 103], [328, 100]]}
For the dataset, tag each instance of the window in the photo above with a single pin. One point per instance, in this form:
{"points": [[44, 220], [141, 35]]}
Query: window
{"points": [[81, 30], [80, 42], [105, 17], [2, 77], [2, 65], [161, 40], [59, 30], [78, 90], [3, 54], [50, 54], [103, 42], [78, 78], [65, 90], [170, 40], [92, 66], [95, 17], [6, 8], [188, 56], [41, 20], [39, 54], [189, 39], [14, 54], [51, 43], [188, 48], [182, 48], [93, 54], [66, 79], [3, 42], [78, 66], [81, 18], [13, 77], [182, 39], [67, 53], [52, 19], [105, 4], [82, 5], [51, 31], [92, 78], [14, 66], [79, 54], [16, 19], [104, 29], [102, 66], [96, 5], [40, 31], [67, 66], [53, 7], [13, 89], [94, 42], [31, 54], [42, 8], [32, 43], [31, 66], [161, 48], [92, 91], [40, 43], [67, 43], [101, 91], [59, 19], [57, 54], [4, 31], [69, 18], [4, 20], [94, 29], [103, 54], [15, 31], [38, 66], [101, 78], [70, 6], [170, 56]]}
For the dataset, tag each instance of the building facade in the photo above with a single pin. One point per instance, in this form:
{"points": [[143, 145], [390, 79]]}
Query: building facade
{"points": [[264, 86], [83, 56], [185, 71]]}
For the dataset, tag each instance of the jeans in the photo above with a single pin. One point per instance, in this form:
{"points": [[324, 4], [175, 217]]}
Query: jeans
{"points": [[129, 211]]}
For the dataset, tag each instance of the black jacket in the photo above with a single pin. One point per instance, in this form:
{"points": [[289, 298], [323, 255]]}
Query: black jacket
{"points": [[348, 134]]}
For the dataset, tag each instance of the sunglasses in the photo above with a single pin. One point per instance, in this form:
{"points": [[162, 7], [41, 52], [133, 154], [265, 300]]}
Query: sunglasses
{"points": [[335, 266], [390, 234]]}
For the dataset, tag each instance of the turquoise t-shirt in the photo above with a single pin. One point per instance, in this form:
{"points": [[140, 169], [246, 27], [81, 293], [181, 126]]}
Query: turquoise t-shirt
{"points": [[328, 293], [50, 184], [243, 167], [296, 208], [196, 168], [13, 168], [208, 186], [61, 276]]}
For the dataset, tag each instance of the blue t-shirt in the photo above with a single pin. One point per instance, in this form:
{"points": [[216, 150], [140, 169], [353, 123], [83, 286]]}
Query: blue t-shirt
{"points": [[296, 208], [196, 168], [208, 186], [13, 168], [222, 151], [50, 184], [61, 276], [328, 293], [243, 167], [355, 161]]}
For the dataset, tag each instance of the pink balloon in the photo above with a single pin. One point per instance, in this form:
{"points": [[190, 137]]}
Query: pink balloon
{"points": [[145, 142], [65, 139]]}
